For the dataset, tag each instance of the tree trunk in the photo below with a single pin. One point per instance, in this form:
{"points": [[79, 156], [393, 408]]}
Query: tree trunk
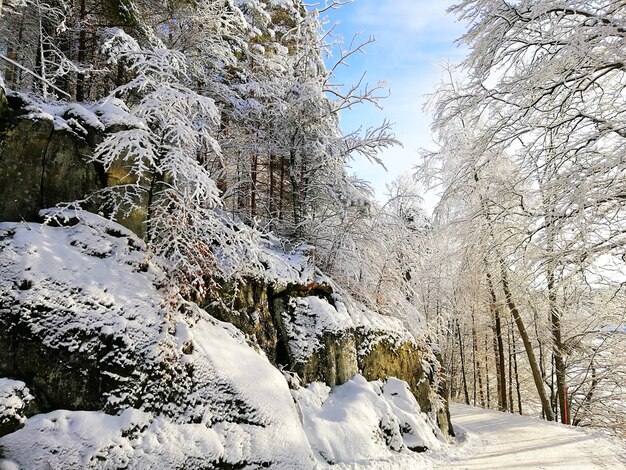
{"points": [[511, 404], [452, 365], [559, 362], [474, 379], [271, 205], [498, 345], [545, 404], [281, 190], [462, 355], [542, 366], [477, 372], [82, 51], [295, 191], [487, 372], [517, 384], [253, 185]]}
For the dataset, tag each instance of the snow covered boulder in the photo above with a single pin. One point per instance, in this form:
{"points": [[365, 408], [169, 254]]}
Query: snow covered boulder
{"points": [[308, 325], [361, 423], [84, 326], [41, 160], [16, 403]]}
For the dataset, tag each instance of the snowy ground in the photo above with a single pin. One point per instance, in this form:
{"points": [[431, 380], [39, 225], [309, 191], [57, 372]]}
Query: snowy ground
{"points": [[493, 440]]}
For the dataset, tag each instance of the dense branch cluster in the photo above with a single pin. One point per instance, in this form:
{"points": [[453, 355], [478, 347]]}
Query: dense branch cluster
{"points": [[532, 167], [230, 129]]}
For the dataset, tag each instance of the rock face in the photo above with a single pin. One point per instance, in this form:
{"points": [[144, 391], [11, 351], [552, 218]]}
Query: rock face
{"points": [[45, 152], [41, 164], [93, 333], [313, 329], [120, 378]]}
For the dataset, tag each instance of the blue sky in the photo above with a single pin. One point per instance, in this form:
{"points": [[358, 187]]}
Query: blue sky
{"points": [[413, 39]]}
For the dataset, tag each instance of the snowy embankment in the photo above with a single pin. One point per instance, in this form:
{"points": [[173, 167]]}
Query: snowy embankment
{"points": [[98, 370], [494, 440]]}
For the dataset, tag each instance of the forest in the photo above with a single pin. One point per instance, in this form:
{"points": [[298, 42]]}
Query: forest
{"points": [[219, 126], [530, 260]]}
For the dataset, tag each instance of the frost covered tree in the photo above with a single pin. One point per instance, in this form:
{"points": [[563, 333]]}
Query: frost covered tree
{"points": [[54, 47], [545, 87], [228, 104], [162, 159]]}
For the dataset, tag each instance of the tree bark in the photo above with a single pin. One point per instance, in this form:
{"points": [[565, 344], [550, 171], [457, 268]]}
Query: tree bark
{"points": [[511, 404], [499, 346], [477, 372], [462, 355], [271, 205], [545, 404], [559, 362], [517, 384], [487, 373], [82, 53], [253, 185]]}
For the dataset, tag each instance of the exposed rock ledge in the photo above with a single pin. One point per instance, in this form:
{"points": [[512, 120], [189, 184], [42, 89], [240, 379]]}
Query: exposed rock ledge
{"points": [[118, 379]]}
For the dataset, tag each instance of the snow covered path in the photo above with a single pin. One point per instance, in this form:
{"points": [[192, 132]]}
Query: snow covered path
{"points": [[493, 440]]}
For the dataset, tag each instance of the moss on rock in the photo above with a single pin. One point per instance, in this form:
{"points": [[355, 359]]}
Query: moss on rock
{"points": [[403, 362]]}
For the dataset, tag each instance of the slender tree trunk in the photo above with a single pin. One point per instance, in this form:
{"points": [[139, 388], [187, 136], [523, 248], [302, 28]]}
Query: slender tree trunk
{"points": [[452, 366], [40, 63], [487, 373], [511, 404], [295, 191], [553, 394], [253, 185], [545, 404], [559, 362], [272, 189], [517, 384], [462, 356], [588, 402], [281, 195], [499, 347], [474, 380], [549, 205], [82, 52], [477, 371], [542, 358]]}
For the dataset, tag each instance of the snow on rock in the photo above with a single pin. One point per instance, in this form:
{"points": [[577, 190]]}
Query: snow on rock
{"points": [[311, 327], [83, 323], [307, 319], [73, 117], [139, 440], [93, 439], [15, 401], [286, 265], [125, 380], [366, 424]]}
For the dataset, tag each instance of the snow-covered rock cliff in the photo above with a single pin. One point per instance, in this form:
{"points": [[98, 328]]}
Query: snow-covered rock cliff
{"points": [[98, 369]]}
